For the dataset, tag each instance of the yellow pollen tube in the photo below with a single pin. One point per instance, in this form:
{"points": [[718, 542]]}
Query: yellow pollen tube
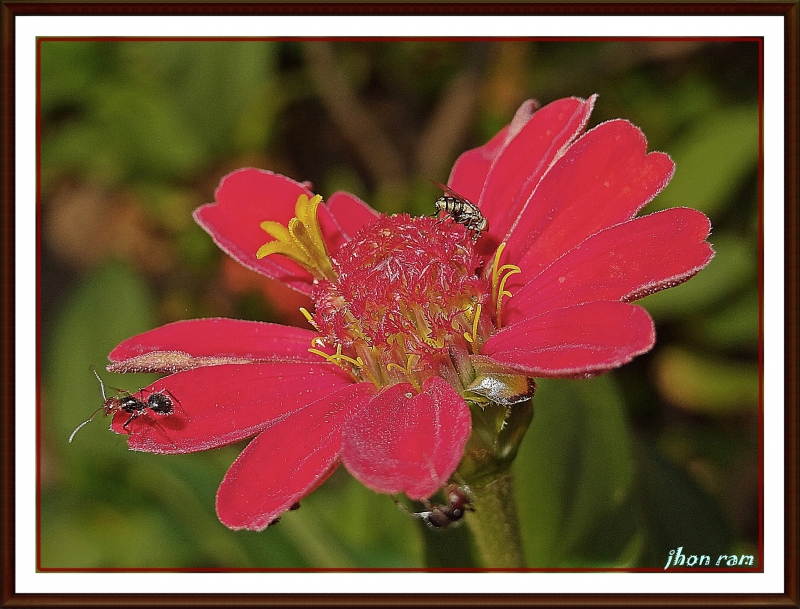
{"points": [[472, 338], [338, 357], [500, 275], [411, 361], [301, 240], [309, 318]]}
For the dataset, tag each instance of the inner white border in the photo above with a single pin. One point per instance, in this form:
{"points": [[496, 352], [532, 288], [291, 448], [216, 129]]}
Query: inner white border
{"points": [[27, 29]]}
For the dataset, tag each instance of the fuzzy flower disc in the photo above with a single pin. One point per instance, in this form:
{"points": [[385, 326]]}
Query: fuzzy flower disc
{"points": [[406, 292]]}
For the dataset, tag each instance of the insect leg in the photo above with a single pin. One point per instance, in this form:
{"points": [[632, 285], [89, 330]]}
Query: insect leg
{"points": [[133, 416]]}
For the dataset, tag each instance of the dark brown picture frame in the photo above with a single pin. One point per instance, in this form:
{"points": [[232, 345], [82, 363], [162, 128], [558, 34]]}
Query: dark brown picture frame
{"points": [[12, 10]]}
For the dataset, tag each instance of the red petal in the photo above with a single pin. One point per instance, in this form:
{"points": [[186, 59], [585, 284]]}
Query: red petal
{"points": [[603, 179], [580, 340], [404, 442], [218, 339], [351, 213], [471, 168], [284, 302], [287, 461], [625, 262], [217, 405], [521, 164], [247, 197]]}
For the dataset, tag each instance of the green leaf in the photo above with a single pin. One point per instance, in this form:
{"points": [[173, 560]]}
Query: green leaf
{"points": [[677, 512], [706, 384], [734, 327], [343, 524], [226, 91], [712, 160], [574, 472], [108, 306]]}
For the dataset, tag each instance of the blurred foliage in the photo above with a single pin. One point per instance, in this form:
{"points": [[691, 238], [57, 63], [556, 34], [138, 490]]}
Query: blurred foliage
{"points": [[615, 471]]}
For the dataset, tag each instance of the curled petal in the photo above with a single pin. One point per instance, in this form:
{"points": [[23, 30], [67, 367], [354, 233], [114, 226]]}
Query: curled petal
{"points": [[218, 405], [625, 262], [192, 343], [471, 168], [404, 442], [576, 341], [287, 461], [245, 199], [524, 160], [602, 179]]}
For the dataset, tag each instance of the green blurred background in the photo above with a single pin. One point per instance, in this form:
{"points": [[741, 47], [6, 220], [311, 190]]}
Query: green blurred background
{"points": [[614, 472]]}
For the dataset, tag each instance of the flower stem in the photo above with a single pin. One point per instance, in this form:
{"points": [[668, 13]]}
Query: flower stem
{"points": [[495, 524], [497, 432]]}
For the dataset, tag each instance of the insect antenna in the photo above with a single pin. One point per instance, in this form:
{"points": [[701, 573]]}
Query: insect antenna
{"points": [[85, 423], [102, 386]]}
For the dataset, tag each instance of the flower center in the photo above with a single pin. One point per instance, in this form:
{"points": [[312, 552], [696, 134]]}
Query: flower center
{"points": [[406, 301]]}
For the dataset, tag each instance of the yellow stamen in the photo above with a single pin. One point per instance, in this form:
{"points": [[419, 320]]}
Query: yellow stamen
{"points": [[513, 270], [495, 269], [328, 358], [500, 275], [349, 360], [338, 357], [437, 343], [301, 240], [309, 318], [472, 338], [408, 370]]}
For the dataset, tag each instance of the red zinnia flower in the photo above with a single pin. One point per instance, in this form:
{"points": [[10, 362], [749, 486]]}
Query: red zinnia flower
{"points": [[414, 317]]}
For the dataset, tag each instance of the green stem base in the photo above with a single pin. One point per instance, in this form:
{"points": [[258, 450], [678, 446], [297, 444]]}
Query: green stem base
{"points": [[495, 524]]}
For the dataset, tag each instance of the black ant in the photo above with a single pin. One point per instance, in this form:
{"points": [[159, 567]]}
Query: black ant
{"points": [[160, 402], [436, 516]]}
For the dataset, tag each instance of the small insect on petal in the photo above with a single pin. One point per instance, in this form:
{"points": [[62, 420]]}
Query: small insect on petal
{"points": [[159, 402], [461, 211]]}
